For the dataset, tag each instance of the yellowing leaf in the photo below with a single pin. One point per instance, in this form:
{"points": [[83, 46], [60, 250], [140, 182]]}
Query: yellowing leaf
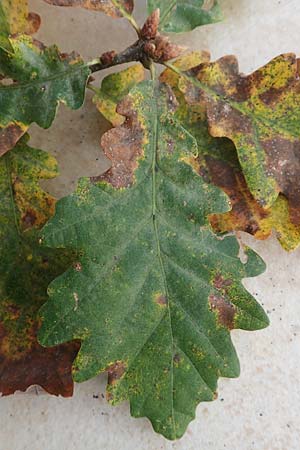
{"points": [[25, 272], [261, 114], [218, 162]]}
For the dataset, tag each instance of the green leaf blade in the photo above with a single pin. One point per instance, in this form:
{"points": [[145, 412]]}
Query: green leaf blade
{"points": [[45, 79], [154, 293], [181, 16]]}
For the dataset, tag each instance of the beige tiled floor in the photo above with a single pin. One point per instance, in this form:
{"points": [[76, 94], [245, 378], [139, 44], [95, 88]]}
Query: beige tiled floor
{"points": [[261, 409]]}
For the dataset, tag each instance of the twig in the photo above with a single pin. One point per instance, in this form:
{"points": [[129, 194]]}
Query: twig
{"points": [[133, 53]]}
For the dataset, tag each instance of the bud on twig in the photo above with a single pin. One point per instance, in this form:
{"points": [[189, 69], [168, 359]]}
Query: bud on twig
{"points": [[150, 28]]}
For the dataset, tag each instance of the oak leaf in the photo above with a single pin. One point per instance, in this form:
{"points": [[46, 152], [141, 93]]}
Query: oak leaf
{"points": [[155, 292], [218, 162], [260, 113], [25, 272], [42, 79]]}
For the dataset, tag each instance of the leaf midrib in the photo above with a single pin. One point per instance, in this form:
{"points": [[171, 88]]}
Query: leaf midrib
{"points": [[156, 233]]}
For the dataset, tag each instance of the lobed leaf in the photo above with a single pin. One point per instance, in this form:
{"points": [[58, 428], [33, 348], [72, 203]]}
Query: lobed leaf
{"points": [[185, 15], [113, 8], [114, 88], [217, 161], [260, 113], [154, 293], [26, 269], [43, 78]]}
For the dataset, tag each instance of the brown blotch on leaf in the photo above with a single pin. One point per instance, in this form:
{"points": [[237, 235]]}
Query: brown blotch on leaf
{"points": [[115, 372], [34, 23], [123, 146], [177, 359], [221, 283], [29, 219], [246, 213], [77, 266], [161, 300], [224, 309], [9, 136]]}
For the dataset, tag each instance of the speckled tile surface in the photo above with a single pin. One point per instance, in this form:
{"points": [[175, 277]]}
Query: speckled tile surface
{"points": [[261, 409]]}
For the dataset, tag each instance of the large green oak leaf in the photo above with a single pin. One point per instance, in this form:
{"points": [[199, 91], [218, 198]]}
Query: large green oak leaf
{"points": [[185, 15], [154, 293]]}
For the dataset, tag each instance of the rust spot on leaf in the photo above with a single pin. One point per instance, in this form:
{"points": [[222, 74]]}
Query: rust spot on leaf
{"points": [[29, 219], [176, 359], [161, 299], [221, 283], [115, 372], [77, 266], [224, 309]]}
